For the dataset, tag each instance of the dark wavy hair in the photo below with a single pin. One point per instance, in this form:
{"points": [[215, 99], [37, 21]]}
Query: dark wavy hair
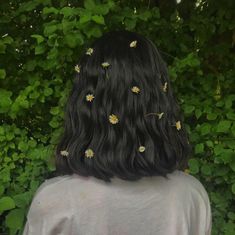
{"points": [[116, 146]]}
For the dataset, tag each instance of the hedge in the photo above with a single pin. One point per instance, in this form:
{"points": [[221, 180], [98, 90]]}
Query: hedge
{"points": [[41, 41]]}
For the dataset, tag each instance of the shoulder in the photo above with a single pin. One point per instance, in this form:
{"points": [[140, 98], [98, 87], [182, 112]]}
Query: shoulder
{"points": [[49, 196], [188, 184], [187, 195], [195, 194], [52, 184]]}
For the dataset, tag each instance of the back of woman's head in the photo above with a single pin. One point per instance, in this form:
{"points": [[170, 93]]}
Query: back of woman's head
{"points": [[121, 118]]}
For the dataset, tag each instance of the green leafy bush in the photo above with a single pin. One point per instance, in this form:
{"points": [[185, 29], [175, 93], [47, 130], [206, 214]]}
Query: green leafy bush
{"points": [[41, 41]]}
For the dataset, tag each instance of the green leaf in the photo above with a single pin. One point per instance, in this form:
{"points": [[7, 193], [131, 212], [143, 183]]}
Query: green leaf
{"points": [[98, 9], [199, 148], [73, 40], [28, 6], [5, 100], [156, 12], [194, 166], [54, 123], [223, 126], [10, 136], [220, 104], [205, 128], [32, 143], [48, 91], [130, 23], [2, 189], [49, 10], [98, 19], [198, 113], [227, 156], [231, 215], [218, 149], [15, 219], [188, 109], [84, 18], [211, 116], [55, 110], [53, 54], [209, 143], [8, 40], [89, 4], [40, 49], [30, 65], [228, 103], [2, 131], [6, 203], [2, 73], [22, 200], [230, 116], [145, 15], [93, 30], [67, 26], [38, 153], [34, 95], [23, 146], [206, 170], [39, 38], [68, 11], [233, 188], [2, 47], [232, 165], [50, 29]]}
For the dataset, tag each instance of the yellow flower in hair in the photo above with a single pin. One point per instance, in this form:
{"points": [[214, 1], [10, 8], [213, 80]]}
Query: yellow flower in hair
{"points": [[113, 119], [90, 97], [105, 64], [64, 153], [77, 68], [89, 153], [141, 149], [160, 115], [135, 89], [165, 87], [133, 43], [89, 51], [178, 125]]}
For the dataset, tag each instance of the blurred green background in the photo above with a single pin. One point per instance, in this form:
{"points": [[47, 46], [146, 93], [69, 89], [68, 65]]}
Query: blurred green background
{"points": [[40, 43]]}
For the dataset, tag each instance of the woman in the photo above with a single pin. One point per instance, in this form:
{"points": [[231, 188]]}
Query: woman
{"points": [[121, 157]]}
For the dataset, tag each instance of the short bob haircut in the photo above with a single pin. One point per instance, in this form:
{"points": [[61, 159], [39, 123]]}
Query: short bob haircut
{"points": [[148, 117]]}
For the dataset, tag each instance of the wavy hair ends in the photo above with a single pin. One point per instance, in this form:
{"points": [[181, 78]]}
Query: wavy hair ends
{"points": [[122, 119]]}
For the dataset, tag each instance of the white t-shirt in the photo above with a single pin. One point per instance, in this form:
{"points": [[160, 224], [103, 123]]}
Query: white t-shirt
{"points": [[75, 205]]}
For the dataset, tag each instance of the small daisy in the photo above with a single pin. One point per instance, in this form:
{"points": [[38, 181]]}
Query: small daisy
{"points": [[64, 153], [90, 97], [135, 89], [133, 43], [160, 115], [89, 153], [141, 149], [178, 125], [105, 64], [89, 51], [113, 119], [77, 68], [165, 87]]}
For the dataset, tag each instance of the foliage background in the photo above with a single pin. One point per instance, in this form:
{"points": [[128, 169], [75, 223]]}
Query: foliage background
{"points": [[41, 41]]}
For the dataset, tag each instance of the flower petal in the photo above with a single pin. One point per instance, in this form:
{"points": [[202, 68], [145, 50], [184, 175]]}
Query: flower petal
{"points": [[133, 43]]}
